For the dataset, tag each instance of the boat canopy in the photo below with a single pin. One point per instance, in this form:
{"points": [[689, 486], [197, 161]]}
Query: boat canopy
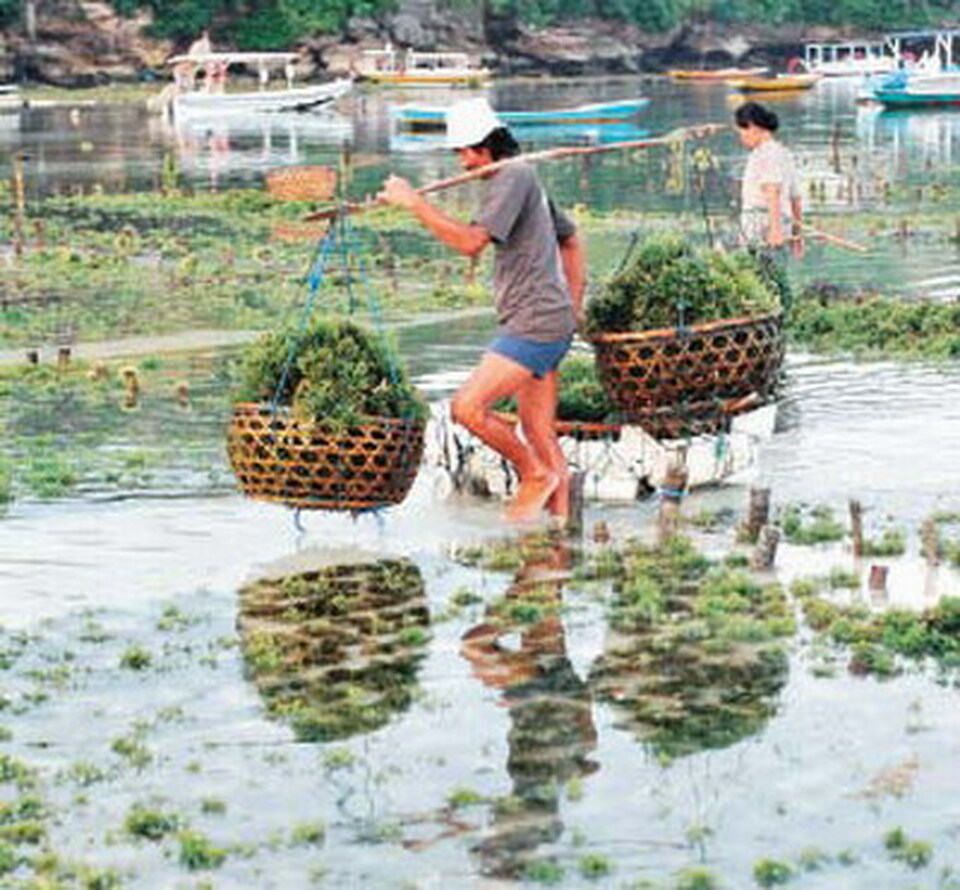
{"points": [[411, 58], [850, 49], [941, 45], [256, 60]]}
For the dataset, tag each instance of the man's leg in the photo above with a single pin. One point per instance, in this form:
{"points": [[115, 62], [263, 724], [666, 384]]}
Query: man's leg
{"points": [[495, 378], [537, 407]]}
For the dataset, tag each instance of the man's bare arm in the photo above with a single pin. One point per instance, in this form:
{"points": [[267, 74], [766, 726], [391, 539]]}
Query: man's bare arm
{"points": [[574, 261], [463, 237]]}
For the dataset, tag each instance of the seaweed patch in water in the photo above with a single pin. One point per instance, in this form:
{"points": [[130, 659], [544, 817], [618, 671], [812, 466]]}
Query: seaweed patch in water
{"points": [[694, 658], [336, 651], [878, 640]]}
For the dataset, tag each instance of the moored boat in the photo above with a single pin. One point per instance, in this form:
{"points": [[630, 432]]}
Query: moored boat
{"points": [[715, 73], [851, 58], [412, 67], [920, 92], [411, 139], [434, 116], [10, 97], [200, 87], [930, 81], [779, 84]]}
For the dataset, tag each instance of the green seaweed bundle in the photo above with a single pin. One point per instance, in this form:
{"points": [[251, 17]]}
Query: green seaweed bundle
{"points": [[667, 282], [334, 371]]}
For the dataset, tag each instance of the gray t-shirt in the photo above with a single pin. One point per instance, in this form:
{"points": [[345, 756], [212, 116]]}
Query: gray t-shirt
{"points": [[533, 300]]}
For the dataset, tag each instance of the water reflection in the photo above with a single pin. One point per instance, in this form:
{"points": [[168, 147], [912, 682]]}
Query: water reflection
{"points": [[916, 139], [209, 148], [335, 651], [520, 649], [691, 661]]}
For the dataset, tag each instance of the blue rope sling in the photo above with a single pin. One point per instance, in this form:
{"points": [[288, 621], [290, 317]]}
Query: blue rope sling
{"points": [[341, 240]]}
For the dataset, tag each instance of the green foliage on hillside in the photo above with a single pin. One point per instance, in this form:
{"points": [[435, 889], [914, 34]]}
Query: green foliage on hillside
{"points": [[9, 12], [280, 24], [256, 25], [660, 15]]}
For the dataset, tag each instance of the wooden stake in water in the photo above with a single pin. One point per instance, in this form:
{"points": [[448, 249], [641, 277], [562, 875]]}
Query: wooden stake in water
{"points": [[856, 527], [575, 522], [19, 204], [930, 541], [877, 580], [758, 513], [765, 552]]}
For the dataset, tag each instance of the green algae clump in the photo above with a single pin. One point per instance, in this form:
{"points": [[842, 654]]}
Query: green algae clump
{"points": [[332, 650], [331, 371]]}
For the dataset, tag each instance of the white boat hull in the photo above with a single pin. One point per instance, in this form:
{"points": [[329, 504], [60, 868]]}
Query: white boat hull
{"points": [[259, 101], [622, 470], [856, 68]]}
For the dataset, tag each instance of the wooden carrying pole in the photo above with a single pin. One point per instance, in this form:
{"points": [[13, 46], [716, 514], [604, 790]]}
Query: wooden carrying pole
{"points": [[698, 132], [836, 240]]}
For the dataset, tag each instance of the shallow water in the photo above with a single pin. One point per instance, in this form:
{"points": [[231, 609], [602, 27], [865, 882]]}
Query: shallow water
{"points": [[156, 560], [853, 154], [841, 762]]}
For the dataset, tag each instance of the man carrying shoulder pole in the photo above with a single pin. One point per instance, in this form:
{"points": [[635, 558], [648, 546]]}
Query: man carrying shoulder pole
{"points": [[539, 277]]}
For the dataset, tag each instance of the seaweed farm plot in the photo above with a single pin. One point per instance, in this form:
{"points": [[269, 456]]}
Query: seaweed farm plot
{"points": [[529, 709], [113, 428], [94, 267]]}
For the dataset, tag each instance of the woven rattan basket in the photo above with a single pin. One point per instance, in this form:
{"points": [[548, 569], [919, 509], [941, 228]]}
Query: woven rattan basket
{"points": [[277, 457], [306, 183], [679, 382]]}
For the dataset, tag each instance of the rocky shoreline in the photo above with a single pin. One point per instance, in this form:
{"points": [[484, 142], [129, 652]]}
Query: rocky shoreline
{"points": [[106, 48]]}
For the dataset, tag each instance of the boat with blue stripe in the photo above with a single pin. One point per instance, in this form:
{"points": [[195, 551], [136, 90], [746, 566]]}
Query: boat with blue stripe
{"points": [[932, 80], [434, 116]]}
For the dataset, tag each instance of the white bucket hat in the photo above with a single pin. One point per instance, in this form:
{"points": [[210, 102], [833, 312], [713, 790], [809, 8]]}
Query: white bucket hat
{"points": [[469, 122]]}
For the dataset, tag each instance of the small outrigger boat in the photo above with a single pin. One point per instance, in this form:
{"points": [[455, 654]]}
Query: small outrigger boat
{"points": [[940, 90], [782, 83], [416, 139], [411, 67], [932, 81], [434, 116], [715, 73], [191, 95]]}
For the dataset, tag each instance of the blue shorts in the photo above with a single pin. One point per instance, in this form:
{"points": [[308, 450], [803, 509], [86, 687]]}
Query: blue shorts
{"points": [[538, 357]]}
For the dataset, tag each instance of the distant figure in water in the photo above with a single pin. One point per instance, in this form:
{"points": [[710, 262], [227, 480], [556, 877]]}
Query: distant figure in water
{"points": [[185, 72], [771, 214], [201, 46]]}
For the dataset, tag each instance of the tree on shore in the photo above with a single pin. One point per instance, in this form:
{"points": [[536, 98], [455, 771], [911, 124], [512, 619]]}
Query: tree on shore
{"points": [[275, 24]]}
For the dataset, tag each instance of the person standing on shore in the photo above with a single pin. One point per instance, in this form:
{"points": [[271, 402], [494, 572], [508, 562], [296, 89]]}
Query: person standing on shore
{"points": [[771, 207], [539, 277]]}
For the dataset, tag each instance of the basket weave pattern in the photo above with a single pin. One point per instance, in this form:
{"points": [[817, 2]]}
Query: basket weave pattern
{"points": [[277, 457], [313, 641], [683, 381], [306, 183]]}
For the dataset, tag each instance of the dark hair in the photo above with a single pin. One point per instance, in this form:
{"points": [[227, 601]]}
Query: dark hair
{"points": [[754, 113], [500, 143]]}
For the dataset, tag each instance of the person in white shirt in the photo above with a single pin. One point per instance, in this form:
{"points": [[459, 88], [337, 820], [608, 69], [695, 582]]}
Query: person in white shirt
{"points": [[771, 207]]}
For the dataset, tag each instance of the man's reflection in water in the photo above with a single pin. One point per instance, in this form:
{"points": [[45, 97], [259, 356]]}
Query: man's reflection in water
{"points": [[551, 724]]}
